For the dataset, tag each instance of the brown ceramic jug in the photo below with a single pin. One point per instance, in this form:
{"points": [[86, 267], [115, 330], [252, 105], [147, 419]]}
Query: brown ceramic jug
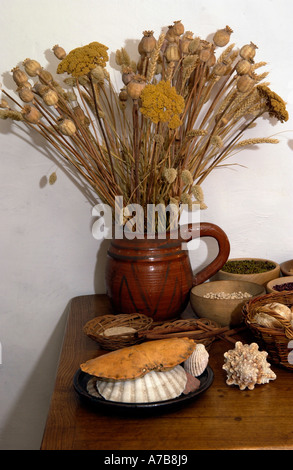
{"points": [[154, 276]]}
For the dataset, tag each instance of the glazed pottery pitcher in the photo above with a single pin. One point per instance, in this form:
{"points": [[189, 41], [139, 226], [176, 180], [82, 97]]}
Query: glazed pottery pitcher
{"points": [[154, 276]]}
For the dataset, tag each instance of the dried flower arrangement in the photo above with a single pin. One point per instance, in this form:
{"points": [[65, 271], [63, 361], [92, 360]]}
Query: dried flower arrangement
{"points": [[181, 113]]}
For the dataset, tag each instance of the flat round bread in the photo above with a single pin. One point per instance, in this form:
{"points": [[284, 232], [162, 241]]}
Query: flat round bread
{"points": [[118, 330], [135, 361]]}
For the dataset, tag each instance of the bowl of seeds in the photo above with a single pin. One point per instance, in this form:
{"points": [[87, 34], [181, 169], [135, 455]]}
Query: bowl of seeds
{"points": [[257, 270], [222, 301], [281, 284], [287, 268]]}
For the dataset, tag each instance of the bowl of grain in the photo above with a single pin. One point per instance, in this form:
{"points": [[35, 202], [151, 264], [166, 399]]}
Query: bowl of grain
{"points": [[222, 301], [257, 270]]}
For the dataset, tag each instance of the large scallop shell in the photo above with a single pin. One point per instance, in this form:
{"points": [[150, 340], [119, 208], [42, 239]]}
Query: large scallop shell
{"points": [[152, 387], [197, 361]]}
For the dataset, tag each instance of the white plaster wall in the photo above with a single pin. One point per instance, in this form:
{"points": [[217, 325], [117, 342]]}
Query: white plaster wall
{"points": [[47, 252]]}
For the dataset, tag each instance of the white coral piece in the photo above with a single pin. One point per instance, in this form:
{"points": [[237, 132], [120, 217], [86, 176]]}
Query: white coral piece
{"points": [[197, 362], [246, 366]]}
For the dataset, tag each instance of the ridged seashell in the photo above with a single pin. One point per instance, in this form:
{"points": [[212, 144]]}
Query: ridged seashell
{"points": [[198, 361], [246, 366], [152, 387]]}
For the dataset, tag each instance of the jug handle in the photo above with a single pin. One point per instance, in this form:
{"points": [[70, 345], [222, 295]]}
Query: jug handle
{"points": [[206, 229]]}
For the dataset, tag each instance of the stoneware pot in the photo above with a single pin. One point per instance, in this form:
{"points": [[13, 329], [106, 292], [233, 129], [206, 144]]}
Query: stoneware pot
{"points": [[154, 276], [258, 278]]}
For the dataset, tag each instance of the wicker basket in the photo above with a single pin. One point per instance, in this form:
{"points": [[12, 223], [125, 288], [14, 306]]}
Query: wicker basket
{"points": [[96, 327], [273, 340], [184, 327]]}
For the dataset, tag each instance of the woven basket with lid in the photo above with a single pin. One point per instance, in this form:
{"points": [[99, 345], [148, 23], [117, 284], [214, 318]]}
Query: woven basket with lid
{"points": [[278, 342]]}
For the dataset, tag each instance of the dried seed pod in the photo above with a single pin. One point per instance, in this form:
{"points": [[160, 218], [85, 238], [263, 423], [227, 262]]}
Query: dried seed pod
{"points": [[45, 77], [243, 67], [220, 69], [170, 34], [248, 51], [59, 52], [50, 98], [135, 87], [127, 75], [80, 116], [172, 52], [178, 28], [194, 45], [31, 114], [71, 81], [98, 75], [67, 127], [222, 37], [123, 95], [245, 83], [26, 94], [205, 53], [40, 89], [185, 42], [32, 67], [4, 103], [212, 60], [147, 43], [25, 85], [69, 96], [19, 76]]}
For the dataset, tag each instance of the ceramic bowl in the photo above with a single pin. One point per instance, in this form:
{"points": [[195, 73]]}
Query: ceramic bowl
{"points": [[258, 278], [226, 312], [277, 282], [287, 268]]}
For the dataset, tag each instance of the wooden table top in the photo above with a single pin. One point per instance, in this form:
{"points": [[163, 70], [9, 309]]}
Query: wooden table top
{"points": [[221, 418]]}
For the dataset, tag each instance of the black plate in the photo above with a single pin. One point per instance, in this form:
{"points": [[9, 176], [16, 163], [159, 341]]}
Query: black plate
{"points": [[82, 381]]}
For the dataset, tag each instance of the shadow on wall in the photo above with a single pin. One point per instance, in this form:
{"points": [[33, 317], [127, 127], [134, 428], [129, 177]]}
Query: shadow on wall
{"points": [[24, 426], [23, 429], [99, 274]]}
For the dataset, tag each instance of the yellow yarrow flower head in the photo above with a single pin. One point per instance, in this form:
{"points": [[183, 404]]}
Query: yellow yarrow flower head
{"points": [[161, 103], [82, 60], [276, 106]]}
